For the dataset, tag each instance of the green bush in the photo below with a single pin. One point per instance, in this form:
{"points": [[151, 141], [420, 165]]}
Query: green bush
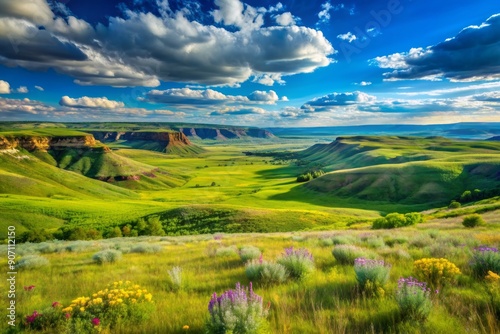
{"points": [[145, 248], [248, 253], [226, 251], [266, 272], [395, 220], [473, 220], [107, 256], [454, 205], [299, 263], [31, 262], [346, 254]]}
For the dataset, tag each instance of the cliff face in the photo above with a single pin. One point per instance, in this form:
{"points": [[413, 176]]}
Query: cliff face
{"points": [[227, 133], [163, 137], [45, 143]]}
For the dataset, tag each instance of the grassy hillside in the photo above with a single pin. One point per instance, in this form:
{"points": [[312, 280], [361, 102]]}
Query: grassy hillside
{"points": [[329, 300]]}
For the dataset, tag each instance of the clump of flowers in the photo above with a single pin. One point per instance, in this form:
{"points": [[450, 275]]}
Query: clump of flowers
{"points": [[493, 286], [485, 259], [48, 318], [372, 275], [299, 263], [29, 288], [236, 311], [436, 272], [266, 272], [413, 298], [119, 302]]}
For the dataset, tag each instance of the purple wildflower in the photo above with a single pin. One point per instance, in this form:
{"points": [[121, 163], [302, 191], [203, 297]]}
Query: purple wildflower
{"points": [[31, 318], [96, 321]]}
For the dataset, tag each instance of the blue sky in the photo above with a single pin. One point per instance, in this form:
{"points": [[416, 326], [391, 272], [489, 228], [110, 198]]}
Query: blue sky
{"points": [[255, 62]]}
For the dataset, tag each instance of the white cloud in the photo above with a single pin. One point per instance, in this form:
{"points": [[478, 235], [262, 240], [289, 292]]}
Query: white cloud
{"points": [[40, 88], [235, 13], [437, 92], [16, 106], [472, 55], [265, 97], [203, 97], [90, 102], [36, 11], [241, 110], [22, 89], [269, 79], [285, 19], [4, 87], [363, 83], [349, 36], [142, 48], [279, 6]]}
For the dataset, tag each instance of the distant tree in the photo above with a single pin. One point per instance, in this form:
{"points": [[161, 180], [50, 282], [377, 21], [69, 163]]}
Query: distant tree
{"points": [[114, 233], [94, 234], [466, 196], [454, 205], [37, 235], [413, 218], [473, 220], [126, 230], [140, 226], [154, 226], [213, 184], [477, 194]]}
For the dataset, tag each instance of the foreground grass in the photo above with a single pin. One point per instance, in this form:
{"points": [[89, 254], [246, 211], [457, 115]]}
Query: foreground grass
{"points": [[326, 302]]}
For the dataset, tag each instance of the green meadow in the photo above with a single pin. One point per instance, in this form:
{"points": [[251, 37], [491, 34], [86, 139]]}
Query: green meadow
{"points": [[203, 207]]}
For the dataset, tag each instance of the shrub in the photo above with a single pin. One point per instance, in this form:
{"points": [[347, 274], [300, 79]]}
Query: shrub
{"points": [[372, 275], [394, 220], [413, 298], [226, 251], [346, 254], [248, 253], [31, 262], [485, 259], [121, 302], [236, 311], [396, 240], [175, 275], [145, 248], [376, 242], [343, 240], [454, 205], [473, 220], [299, 263], [266, 272], [435, 272], [107, 256]]}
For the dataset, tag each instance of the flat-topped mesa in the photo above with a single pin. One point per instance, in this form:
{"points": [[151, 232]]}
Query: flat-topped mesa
{"points": [[226, 133], [157, 136], [45, 143]]}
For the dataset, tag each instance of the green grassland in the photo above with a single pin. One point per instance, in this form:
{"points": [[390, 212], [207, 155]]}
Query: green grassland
{"points": [[224, 190], [328, 301]]}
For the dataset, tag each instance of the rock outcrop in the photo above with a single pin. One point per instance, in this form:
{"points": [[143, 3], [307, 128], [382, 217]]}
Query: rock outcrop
{"points": [[45, 143], [225, 133]]}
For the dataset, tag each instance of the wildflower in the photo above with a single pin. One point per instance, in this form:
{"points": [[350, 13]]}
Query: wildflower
{"points": [[67, 315], [29, 288], [185, 327], [31, 318], [56, 304], [96, 321], [82, 309]]}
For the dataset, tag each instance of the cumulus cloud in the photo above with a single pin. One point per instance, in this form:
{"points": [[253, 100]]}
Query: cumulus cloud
{"points": [[26, 106], [364, 83], [285, 19], [236, 13], [186, 96], [4, 87], [90, 102], [238, 111], [349, 36], [22, 89], [140, 49], [330, 101], [472, 55], [265, 97], [40, 88], [202, 97]]}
